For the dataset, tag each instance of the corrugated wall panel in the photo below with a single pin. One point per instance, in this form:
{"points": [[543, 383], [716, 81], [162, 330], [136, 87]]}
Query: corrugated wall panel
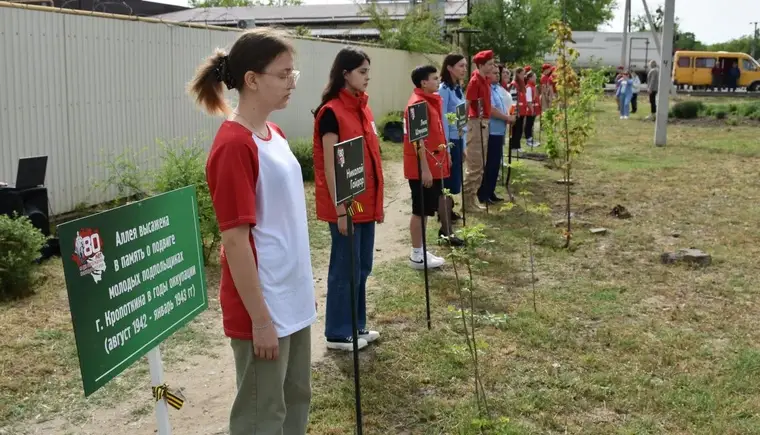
{"points": [[81, 89], [33, 98]]}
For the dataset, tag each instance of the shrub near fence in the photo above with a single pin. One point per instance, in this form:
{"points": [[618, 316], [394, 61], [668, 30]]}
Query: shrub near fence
{"points": [[20, 244], [180, 164]]}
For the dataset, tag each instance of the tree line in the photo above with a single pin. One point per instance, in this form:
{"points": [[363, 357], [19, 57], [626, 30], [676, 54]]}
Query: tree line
{"points": [[514, 29]]}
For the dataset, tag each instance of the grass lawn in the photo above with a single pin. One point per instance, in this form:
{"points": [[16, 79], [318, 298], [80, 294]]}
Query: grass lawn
{"points": [[620, 344]]}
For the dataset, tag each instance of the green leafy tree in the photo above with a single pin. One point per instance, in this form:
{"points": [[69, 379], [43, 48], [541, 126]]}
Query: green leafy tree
{"points": [[419, 31], [738, 45], [681, 40], [514, 29], [587, 15]]}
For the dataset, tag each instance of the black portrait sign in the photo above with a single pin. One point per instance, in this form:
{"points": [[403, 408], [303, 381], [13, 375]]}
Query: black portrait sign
{"points": [[349, 169], [419, 127], [461, 116]]}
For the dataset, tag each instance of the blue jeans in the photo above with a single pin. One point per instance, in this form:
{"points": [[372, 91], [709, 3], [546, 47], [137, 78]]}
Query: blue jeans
{"points": [[493, 164], [625, 105], [454, 182], [337, 312]]}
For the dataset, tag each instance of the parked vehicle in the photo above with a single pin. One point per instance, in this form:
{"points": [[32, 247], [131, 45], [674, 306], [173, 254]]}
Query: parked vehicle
{"points": [[695, 68]]}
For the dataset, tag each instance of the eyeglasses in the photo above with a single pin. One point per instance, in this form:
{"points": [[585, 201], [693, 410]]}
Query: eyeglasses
{"points": [[291, 77]]}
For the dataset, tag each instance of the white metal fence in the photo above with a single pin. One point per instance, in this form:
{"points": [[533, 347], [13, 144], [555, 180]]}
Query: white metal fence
{"points": [[78, 88]]}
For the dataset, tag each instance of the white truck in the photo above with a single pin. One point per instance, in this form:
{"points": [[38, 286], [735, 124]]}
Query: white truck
{"points": [[604, 49]]}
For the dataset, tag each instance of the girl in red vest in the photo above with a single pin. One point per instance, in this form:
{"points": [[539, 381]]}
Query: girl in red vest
{"points": [[522, 109], [342, 115], [267, 287], [533, 101]]}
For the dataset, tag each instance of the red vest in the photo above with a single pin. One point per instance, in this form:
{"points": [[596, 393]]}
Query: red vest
{"points": [[354, 119], [522, 101], [437, 156], [536, 106]]}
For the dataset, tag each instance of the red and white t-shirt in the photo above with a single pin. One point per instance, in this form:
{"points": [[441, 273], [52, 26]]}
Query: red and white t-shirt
{"points": [[258, 182]]}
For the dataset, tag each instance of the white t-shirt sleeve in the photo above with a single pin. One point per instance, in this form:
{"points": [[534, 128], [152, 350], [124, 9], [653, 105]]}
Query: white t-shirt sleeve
{"points": [[529, 94]]}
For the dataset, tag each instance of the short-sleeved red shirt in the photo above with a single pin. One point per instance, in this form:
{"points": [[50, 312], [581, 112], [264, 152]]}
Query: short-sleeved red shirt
{"points": [[478, 88], [257, 182]]}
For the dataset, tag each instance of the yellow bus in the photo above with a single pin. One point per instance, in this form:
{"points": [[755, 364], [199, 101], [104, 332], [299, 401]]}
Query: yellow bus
{"points": [[694, 68]]}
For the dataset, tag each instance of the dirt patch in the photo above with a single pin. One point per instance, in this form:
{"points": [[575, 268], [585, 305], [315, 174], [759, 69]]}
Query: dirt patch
{"points": [[208, 380]]}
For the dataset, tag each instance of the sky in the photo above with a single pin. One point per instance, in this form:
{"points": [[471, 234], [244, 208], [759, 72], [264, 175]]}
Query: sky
{"points": [[709, 22]]}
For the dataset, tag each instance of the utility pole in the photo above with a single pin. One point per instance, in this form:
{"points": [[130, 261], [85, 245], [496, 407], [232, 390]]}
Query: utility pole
{"points": [[755, 36], [666, 67], [626, 26], [655, 32]]}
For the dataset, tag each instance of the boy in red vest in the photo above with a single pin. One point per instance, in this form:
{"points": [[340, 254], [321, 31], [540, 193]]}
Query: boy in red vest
{"points": [[478, 113], [435, 163]]}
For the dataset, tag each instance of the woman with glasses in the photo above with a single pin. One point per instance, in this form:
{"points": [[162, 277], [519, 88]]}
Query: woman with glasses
{"points": [[267, 288], [342, 115]]}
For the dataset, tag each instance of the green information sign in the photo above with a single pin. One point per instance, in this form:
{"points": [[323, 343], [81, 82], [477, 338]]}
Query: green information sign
{"points": [[134, 276]]}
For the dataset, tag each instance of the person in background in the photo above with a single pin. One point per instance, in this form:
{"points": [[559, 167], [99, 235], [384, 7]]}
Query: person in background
{"points": [[734, 73], [344, 114], [435, 162], [624, 94], [506, 82], [717, 76], [453, 72], [478, 113], [635, 96], [500, 104], [522, 110], [267, 287], [653, 81], [533, 100], [547, 87]]}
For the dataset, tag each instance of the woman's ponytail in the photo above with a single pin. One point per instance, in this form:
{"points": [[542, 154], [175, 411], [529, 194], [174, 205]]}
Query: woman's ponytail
{"points": [[206, 85]]}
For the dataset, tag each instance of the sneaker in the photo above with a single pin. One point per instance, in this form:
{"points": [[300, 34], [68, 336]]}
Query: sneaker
{"points": [[535, 144], [346, 344], [452, 239], [368, 336], [417, 262]]}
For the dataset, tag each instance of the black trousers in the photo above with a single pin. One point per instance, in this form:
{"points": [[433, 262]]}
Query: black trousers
{"points": [[634, 103], [529, 121], [517, 133], [653, 102]]}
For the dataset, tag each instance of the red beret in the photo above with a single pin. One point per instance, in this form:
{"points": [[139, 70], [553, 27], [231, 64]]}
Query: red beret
{"points": [[483, 57], [545, 67]]}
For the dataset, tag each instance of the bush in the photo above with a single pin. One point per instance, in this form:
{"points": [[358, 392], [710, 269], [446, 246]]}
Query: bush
{"points": [[687, 109], [303, 149], [391, 127], [20, 244], [720, 114], [750, 109], [183, 165]]}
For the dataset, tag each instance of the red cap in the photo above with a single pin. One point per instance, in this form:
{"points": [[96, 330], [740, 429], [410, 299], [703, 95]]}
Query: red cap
{"points": [[483, 57], [527, 68], [545, 67]]}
